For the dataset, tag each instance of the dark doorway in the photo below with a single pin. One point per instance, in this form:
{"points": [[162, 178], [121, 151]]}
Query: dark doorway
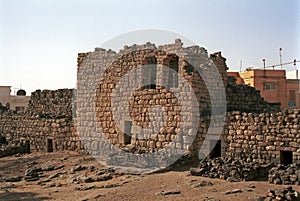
{"points": [[127, 134], [3, 140], [27, 145], [286, 157], [216, 151], [49, 145]]}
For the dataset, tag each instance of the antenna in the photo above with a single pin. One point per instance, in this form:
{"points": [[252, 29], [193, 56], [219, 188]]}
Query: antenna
{"points": [[280, 57], [264, 62], [241, 65], [295, 64]]}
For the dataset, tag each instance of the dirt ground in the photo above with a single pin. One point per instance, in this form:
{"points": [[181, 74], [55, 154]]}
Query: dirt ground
{"points": [[61, 185]]}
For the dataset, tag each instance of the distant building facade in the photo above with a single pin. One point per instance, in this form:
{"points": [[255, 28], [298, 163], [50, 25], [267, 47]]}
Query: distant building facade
{"points": [[16, 102], [273, 85]]}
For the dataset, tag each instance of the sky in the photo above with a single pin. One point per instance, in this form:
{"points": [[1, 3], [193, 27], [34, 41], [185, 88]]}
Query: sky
{"points": [[40, 40]]}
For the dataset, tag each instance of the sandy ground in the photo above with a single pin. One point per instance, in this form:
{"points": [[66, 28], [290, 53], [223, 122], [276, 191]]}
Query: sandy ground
{"points": [[120, 187]]}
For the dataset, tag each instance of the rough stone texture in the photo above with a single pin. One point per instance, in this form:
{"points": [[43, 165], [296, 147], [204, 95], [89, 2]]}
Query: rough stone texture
{"points": [[284, 194], [231, 169], [48, 118], [116, 65], [14, 148], [244, 98], [258, 137], [262, 137], [51, 104], [281, 174]]}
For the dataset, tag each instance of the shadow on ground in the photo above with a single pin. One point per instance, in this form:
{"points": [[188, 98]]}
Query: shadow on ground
{"points": [[21, 196]]}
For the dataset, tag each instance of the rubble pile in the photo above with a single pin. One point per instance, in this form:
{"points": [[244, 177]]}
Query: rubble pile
{"points": [[231, 169], [289, 174], [285, 194], [14, 148]]}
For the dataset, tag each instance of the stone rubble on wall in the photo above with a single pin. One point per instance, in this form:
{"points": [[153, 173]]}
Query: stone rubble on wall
{"points": [[285, 194], [244, 98], [231, 169], [288, 175], [13, 148], [51, 103]]}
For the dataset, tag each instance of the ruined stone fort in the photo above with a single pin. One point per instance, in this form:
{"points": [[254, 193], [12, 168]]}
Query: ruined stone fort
{"points": [[252, 128]]}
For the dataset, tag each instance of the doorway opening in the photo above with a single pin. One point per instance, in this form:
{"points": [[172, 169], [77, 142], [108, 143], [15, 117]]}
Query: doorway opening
{"points": [[49, 145], [127, 134], [216, 151], [286, 157], [27, 145]]}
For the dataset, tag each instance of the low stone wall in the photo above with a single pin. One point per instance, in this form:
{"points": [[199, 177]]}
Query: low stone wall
{"points": [[264, 137], [47, 123]]}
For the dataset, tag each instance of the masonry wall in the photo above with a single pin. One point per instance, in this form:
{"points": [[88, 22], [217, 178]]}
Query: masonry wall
{"points": [[262, 137], [49, 118], [46, 124], [116, 65], [245, 98]]}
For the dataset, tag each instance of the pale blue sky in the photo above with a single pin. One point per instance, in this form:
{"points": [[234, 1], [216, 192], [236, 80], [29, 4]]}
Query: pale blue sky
{"points": [[39, 40]]}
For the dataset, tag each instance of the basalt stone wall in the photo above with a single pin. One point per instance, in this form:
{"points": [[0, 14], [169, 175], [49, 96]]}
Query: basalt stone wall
{"points": [[110, 67], [116, 65], [51, 103], [245, 98], [264, 137], [46, 125]]}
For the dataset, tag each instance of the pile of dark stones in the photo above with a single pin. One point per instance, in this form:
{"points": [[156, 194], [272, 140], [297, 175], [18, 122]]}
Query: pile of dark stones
{"points": [[288, 175], [231, 169], [12, 148], [285, 194]]}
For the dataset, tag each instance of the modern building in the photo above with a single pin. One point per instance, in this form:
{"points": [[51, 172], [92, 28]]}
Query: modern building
{"points": [[274, 85], [16, 102], [4, 95]]}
